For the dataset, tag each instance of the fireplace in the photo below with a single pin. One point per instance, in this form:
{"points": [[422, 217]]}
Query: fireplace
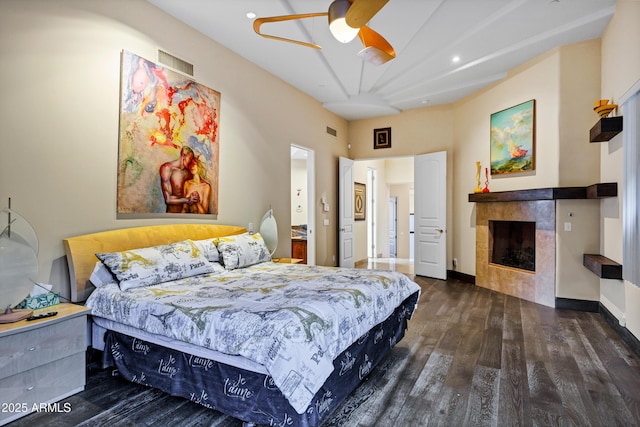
{"points": [[516, 249], [529, 217], [513, 244]]}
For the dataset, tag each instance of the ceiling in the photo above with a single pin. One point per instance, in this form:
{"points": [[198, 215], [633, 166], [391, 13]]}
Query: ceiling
{"points": [[490, 37]]}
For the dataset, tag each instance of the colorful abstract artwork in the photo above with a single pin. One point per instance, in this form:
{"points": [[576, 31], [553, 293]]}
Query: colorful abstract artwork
{"points": [[168, 142], [513, 139]]}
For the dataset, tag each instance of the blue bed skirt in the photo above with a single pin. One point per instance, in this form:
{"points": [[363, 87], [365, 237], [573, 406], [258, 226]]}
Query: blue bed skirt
{"points": [[246, 395]]}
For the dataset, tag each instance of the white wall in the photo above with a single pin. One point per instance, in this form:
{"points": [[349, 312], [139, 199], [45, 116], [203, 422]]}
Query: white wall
{"points": [[620, 70], [299, 192], [60, 65]]}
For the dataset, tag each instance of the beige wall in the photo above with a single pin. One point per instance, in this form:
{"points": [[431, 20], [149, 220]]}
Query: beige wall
{"points": [[60, 65], [573, 280], [564, 82], [620, 71], [538, 80]]}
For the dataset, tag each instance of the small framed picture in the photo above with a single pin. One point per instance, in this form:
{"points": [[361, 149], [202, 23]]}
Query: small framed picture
{"points": [[360, 201], [382, 138]]}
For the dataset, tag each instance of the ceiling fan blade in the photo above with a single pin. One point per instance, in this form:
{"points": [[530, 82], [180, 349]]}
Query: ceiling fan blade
{"points": [[361, 11], [259, 21], [377, 49]]}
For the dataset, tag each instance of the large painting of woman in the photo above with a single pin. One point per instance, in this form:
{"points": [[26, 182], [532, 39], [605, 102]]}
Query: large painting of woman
{"points": [[168, 142]]}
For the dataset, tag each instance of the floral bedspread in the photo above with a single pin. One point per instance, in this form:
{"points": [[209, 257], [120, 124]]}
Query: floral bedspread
{"points": [[292, 319]]}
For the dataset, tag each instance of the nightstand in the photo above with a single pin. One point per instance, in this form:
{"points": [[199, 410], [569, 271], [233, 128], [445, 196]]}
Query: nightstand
{"points": [[287, 260], [42, 361]]}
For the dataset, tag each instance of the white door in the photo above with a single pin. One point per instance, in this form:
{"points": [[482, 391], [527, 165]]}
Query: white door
{"points": [[346, 234], [430, 184], [311, 199]]}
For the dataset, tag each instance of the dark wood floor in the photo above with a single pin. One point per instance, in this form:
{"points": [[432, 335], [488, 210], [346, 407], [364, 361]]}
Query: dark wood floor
{"points": [[471, 357]]}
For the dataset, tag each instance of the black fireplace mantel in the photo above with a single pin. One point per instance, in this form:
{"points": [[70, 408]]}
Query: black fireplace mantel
{"points": [[595, 191]]}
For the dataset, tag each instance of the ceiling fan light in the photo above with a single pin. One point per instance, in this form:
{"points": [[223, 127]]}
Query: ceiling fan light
{"points": [[337, 23]]}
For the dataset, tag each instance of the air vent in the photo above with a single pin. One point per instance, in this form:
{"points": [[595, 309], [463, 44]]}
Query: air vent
{"points": [[332, 131], [175, 63]]}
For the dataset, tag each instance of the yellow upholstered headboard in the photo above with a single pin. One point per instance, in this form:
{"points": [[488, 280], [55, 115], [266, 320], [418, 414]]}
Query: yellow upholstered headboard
{"points": [[81, 250]]}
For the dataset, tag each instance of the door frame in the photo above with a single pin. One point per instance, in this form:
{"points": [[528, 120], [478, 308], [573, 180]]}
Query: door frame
{"points": [[311, 196]]}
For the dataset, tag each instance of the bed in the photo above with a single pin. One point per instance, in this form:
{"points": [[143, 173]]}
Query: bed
{"points": [[200, 311]]}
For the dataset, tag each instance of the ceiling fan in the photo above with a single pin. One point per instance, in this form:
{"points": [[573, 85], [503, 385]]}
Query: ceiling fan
{"points": [[347, 18]]}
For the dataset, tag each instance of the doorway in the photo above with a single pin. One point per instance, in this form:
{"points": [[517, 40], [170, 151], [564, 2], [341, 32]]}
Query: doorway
{"points": [[302, 204], [383, 239], [421, 212], [393, 226]]}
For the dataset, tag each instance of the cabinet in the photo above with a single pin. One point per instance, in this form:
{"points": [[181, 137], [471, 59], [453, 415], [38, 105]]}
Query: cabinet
{"points": [[42, 361], [299, 249]]}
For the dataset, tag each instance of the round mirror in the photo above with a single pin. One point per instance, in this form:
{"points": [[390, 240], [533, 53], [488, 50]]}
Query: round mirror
{"points": [[18, 263], [269, 231]]}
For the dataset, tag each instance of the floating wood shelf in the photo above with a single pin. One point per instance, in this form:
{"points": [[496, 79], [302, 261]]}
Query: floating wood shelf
{"points": [[600, 191], [602, 266], [595, 191], [605, 129]]}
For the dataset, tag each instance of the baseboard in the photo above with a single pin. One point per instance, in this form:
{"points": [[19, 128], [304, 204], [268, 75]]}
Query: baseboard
{"points": [[627, 337], [577, 305], [467, 278]]}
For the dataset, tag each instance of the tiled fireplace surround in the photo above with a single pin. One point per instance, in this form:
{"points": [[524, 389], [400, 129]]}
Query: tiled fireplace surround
{"points": [[538, 286], [535, 205]]}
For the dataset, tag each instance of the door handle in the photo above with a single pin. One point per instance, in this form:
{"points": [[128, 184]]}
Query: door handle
{"points": [[440, 230]]}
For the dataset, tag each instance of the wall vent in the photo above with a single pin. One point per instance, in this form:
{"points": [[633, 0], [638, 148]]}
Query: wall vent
{"points": [[175, 62], [332, 131]]}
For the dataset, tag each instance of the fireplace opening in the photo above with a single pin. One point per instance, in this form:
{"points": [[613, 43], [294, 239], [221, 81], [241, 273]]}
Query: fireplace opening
{"points": [[513, 244]]}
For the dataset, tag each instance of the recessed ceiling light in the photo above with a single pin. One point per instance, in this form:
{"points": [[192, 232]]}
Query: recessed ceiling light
{"points": [[425, 101], [251, 15], [455, 59]]}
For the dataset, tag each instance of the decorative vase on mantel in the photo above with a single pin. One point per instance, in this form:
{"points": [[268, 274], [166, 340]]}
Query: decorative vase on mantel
{"points": [[486, 181], [478, 189]]}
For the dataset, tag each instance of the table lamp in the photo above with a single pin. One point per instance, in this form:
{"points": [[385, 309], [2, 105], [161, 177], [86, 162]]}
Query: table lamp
{"points": [[18, 263]]}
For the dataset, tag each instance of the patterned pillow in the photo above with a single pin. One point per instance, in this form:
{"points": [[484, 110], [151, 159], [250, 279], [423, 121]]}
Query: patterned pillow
{"points": [[209, 248], [156, 264], [242, 250], [101, 275]]}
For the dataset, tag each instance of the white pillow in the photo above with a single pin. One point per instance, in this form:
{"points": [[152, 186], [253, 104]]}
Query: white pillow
{"points": [[209, 248], [101, 275], [242, 250], [157, 264]]}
